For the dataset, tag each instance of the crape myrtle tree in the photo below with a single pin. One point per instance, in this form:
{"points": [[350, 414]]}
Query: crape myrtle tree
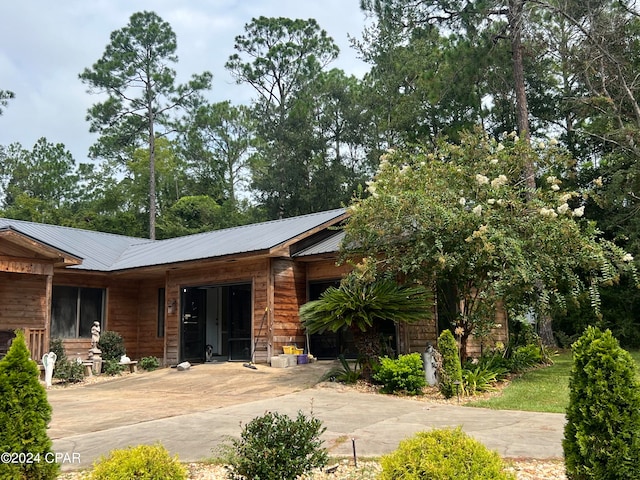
{"points": [[461, 214], [142, 97]]}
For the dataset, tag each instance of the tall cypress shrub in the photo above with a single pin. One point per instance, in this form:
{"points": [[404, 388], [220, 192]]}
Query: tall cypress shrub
{"points": [[24, 415], [450, 371], [602, 433]]}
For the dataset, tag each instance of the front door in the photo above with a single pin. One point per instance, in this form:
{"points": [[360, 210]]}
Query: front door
{"points": [[193, 316]]}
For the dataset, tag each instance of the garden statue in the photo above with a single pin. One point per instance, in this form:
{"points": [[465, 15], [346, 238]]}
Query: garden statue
{"points": [[95, 335], [48, 361]]}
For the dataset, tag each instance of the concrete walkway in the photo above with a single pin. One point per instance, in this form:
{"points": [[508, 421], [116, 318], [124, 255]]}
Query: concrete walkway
{"points": [[192, 412]]}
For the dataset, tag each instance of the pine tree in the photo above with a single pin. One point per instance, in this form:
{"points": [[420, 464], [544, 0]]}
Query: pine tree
{"points": [[24, 415]]}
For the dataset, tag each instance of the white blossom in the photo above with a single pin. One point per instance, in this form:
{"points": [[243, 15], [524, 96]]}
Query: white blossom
{"points": [[565, 198], [491, 201], [564, 208], [555, 187], [552, 180], [499, 181], [481, 179], [627, 257], [500, 147], [598, 182], [405, 169], [462, 201], [541, 144], [553, 142], [493, 161], [578, 212], [548, 212], [477, 210]]}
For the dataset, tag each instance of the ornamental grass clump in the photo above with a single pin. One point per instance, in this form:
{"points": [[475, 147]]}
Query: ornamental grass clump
{"points": [[602, 433], [444, 454], [450, 371]]}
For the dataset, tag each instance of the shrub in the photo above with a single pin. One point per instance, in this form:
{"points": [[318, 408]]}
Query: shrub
{"points": [[450, 370], [112, 345], [65, 370], [112, 367], [405, 374], [525, 357], [24, 415], [276, 447], [443, 455], [149, 363], [602, 433], [144, 462]]}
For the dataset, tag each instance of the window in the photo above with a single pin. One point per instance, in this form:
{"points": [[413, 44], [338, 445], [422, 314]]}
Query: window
{"points": [[161, 307], [74, 309]]}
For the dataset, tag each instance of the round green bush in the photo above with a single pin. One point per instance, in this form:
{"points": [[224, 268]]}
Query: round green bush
{"points": [[277, 447], [149, 363], [404, 374], [602, 433], [112, 345], [450, 371], [444, 454], [143, 462]]}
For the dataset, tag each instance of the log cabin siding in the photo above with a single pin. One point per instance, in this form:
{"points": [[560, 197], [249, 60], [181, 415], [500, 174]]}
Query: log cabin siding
{"points": [[326, 270]]}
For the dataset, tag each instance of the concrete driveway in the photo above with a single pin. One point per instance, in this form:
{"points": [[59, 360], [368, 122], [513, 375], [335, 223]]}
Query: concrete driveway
{"points": [[192, 412]]}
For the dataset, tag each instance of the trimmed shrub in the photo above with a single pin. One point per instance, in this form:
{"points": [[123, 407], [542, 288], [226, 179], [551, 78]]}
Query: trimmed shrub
{"points": [[24, 416], [602, 433], [404, 374], [450, 371], [143, 462], [112, 367], [443, 454], [276, 447], [149, 363], [112, 345]]}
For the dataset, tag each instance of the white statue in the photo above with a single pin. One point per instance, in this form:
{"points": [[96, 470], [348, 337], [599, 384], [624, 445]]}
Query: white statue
{"points": [[95, 335], [49, 361]]}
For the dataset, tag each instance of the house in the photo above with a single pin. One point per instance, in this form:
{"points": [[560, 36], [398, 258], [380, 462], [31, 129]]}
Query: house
{"points": [[235, 292]]}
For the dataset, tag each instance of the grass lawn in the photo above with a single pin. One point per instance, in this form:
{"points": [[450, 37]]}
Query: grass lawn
{"points": [[542, 390]]}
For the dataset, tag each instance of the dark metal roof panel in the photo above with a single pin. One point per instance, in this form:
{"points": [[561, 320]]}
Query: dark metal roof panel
{"points": [[248, 238], [328, 245], [98, 250]]}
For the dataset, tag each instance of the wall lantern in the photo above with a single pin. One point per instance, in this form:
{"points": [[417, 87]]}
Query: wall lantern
{"points": [[171, 307]]}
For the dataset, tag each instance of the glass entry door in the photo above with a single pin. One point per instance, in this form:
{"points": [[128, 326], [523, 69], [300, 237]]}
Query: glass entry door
{"points": [[193, 320]]}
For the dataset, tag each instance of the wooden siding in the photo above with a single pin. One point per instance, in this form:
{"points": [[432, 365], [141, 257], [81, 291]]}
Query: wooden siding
{"points": [[149, 344], [326, 270], [290, 292], [254, 271], [23, 301]]}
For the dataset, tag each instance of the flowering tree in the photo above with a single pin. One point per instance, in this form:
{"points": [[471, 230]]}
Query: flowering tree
{"points": [[462, 214]]}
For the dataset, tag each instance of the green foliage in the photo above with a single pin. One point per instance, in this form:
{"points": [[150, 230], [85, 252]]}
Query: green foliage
{"points": [[344, 373], [67, 371], [525, 357], [112, 367], [444, 454], [450, 371], [149, 363], [359, 302], [112, 345], [24, 416], [404, 374], [480, 378], [143, 462], [602, 433], [276, 447], [460, 213]]}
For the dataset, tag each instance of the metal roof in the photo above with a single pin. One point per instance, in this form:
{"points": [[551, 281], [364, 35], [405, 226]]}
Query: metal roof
{"points": [[109, 252], [328, 245]]}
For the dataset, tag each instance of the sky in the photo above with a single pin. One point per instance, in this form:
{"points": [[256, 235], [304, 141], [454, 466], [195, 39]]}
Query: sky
{"points": [[45, 45]]}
